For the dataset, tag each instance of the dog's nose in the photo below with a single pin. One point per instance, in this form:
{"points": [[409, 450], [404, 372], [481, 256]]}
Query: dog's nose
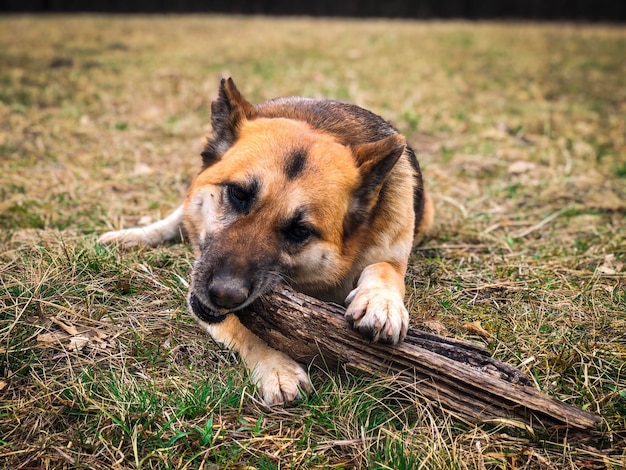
{"points": [[228, 293]]}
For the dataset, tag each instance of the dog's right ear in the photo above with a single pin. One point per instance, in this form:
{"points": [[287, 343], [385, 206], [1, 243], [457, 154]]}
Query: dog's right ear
{"points": [[228, 112]]}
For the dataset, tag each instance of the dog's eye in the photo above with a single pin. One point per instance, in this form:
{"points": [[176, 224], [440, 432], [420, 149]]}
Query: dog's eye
{"points": [[238, 197], [298, 233]]}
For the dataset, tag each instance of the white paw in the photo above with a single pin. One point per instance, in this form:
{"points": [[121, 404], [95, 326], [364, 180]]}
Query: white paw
{"points": [[378, 313], [280, 379], [127, 238]]}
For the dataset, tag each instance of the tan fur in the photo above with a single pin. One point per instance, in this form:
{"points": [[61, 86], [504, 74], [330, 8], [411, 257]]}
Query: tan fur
{"points": [[322, 195]]}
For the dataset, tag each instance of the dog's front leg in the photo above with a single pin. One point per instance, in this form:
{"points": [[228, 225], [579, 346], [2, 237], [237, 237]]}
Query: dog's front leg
{"points": [[376, 306], [279, 378], [151, 235]]}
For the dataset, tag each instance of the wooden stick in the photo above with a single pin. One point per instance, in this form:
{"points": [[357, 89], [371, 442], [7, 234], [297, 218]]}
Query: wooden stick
{"points": [[460, 376]]}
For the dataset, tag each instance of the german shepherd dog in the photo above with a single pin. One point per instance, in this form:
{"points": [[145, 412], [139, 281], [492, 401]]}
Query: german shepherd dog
{"points": [[322, 194]]}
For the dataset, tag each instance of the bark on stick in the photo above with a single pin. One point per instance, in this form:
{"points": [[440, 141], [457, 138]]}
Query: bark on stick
{"points": [[459, 376]]}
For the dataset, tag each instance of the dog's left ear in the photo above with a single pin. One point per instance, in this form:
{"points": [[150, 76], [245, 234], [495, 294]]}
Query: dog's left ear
{"points": [[228, 112], [374, 161]]}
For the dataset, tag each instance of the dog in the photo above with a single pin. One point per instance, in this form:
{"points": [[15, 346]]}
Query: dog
{"points": [[321, 194]]}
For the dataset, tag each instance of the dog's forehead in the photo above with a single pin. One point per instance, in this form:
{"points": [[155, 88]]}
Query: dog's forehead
{"points": [[293, 166], [290, 152]]}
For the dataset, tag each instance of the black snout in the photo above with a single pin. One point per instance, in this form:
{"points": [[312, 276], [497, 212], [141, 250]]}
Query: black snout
{"points": [[228, 292]]}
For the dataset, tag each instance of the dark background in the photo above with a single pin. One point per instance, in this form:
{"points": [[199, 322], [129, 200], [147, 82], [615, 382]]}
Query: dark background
{"points": [[572, 10]]}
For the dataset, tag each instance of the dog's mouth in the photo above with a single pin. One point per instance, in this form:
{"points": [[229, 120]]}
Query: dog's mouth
{"points": [[203, 312], [206, 309]]}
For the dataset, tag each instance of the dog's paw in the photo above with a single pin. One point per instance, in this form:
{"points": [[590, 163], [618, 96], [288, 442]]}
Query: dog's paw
{"points": [[378, 313], [127, 238], [280, 379]]}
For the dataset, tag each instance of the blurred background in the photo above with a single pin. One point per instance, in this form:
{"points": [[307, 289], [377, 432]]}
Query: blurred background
{"points": [[577, 10]]}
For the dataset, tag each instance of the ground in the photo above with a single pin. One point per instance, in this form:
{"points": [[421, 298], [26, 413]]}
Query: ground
{"points": [[520, 132]]}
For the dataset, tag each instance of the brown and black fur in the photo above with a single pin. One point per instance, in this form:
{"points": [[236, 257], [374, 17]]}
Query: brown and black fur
{"points": [[322, 194], [350, 124]]}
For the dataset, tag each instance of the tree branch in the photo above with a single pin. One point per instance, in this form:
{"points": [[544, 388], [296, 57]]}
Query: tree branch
{"points": [[460, 376]]}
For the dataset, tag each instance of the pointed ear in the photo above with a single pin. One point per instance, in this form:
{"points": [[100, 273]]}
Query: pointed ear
{"points": [[375, 161], [228, 112]]}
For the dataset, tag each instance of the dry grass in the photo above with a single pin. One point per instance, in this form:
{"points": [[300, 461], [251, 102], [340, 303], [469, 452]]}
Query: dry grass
{"points": [[520, 130]]}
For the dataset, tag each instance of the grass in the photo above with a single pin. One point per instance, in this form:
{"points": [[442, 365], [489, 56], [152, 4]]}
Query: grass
{"points": [[520, 132]]}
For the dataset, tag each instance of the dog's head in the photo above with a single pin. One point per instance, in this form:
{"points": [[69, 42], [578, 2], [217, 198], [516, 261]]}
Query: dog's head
{"points": [[276, 200]]}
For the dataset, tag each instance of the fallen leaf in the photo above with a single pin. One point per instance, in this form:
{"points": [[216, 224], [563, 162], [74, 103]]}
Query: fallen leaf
{"points": [[3, 384], [521, 166], [77, 339], [435, 326], [78, 342], [610, 265], [476, 328], [47, 340], [101, 335], [142, 169], [606, 270], [69, 329]]}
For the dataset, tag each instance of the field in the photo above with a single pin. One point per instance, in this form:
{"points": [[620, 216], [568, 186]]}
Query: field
{"points": [[521, 133]]}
